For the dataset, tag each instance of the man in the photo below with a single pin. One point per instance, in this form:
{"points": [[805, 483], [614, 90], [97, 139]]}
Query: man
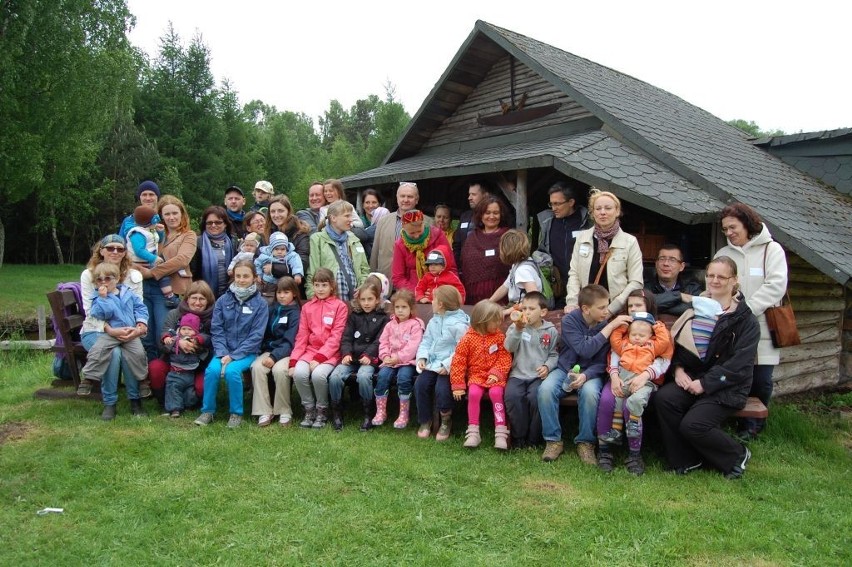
{"points": [[476, 191], [316, 200], [235, 200], [389, 226], [671, 293], [560, 224], [263, 191]]}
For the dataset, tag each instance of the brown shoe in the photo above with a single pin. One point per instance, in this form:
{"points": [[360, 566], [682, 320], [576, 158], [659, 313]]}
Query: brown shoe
{"points": [[552, 450], [586, 452]]}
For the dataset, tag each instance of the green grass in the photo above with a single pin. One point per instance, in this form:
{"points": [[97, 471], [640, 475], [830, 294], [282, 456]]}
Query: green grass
{"points": [[156, 490], [23, 287]]}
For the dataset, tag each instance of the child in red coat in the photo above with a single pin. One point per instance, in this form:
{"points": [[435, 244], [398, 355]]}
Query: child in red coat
{"points": [[483, 363], [436, 275]]}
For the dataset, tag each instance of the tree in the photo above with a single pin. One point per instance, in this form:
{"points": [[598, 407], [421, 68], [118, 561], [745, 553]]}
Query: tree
{"points": [[752, 129], [391, 121]]}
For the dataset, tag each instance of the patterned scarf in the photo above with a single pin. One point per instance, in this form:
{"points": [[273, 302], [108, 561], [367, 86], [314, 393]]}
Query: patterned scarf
{"points": [[243, 293], [211, 260], [418, 248], [604, 237], [346, 278]]}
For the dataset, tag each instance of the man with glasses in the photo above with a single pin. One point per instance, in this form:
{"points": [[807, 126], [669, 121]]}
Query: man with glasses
{"points": [[389, 226], [672, 293], [560, 223]]}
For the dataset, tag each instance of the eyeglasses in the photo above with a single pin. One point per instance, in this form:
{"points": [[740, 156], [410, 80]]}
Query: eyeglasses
{"points": [[407, 184], [669, 260], [717, 277], [104, 279], [214, 223], [553, 205], [114, 249]]}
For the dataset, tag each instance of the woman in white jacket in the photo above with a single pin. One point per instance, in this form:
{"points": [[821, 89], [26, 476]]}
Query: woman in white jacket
{"points": [[605, 255], [762, 266]]}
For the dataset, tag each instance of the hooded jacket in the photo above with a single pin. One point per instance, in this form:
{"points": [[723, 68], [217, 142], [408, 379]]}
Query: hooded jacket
{"points": [[442, 335], [120, 309], [401, 339], [320, 331], [479, 356], [362, 333], [532, 348], [237, 328], [324, 254], [427, 284], [281, 330]]}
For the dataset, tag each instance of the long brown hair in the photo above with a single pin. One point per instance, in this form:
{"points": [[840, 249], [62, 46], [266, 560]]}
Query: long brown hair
{"points": [[184, 217], [292, 220], [96, 258]]}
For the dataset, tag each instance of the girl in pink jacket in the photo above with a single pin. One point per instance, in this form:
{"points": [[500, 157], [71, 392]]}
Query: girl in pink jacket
{"points": [[397, 351], [317, 349]]}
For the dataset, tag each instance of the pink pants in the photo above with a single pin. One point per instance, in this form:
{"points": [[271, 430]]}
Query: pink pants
{"points": [[474, 398]]}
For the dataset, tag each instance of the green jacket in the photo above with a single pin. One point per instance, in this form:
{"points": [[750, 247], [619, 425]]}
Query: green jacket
{"points": [[324, 255]]}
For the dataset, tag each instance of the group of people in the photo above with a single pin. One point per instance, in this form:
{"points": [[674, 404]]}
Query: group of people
{"points": [[176, 311]]}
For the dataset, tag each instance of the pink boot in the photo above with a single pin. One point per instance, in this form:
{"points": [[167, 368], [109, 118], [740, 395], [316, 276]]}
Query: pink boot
{"points": [[381, 410], [402, 421]]}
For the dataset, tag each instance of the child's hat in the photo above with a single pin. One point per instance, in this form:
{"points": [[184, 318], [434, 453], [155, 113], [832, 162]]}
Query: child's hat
{"points": [[191, 320], [436, 257], [277, 239], [644, 316], [265, 186], [143, 214], [252, 236], [378, 213], [147, 186]]}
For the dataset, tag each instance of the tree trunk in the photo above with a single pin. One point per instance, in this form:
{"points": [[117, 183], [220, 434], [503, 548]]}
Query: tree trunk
{"points": [[2, 241], [59, 257]]}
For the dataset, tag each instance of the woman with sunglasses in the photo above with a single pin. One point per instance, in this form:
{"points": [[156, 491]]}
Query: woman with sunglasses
{"points": [[215, 248]]}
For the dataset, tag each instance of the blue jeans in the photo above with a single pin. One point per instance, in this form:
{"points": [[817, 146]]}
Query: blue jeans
{"points": [[425, 384], [404, 380], [155, 302], [341, 374], [233, 379], [109, 380], [549, 394]]}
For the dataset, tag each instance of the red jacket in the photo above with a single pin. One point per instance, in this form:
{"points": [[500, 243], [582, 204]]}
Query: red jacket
{"points": [[476, 357], [320, 330], [429, 282], [404, 268]]}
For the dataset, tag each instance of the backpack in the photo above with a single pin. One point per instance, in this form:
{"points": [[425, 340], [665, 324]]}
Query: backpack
{"points": [[546, 288], [551, 273]]}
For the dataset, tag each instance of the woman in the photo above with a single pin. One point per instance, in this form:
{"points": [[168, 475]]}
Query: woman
{"points": [[481, 270], [416, 240], [110, 249], [177, 250], [336, 248], [372, 212], [333, 191], [370, 201], [763, 267], [198, 300], [215, 249], [255, 221], [715, 345], [444, 220], [605, 255], [282, 219]]}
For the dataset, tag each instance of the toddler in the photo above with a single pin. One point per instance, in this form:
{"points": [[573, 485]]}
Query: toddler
{"points": [[482, 362], [278, 251], [180, 381], [143, 241], [248, 250], [397, 351], [436, 275]]}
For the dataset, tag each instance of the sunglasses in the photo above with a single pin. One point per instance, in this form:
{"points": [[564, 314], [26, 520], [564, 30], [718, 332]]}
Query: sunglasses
{"points": [[214, 223], [104, 279], [114, 249]]}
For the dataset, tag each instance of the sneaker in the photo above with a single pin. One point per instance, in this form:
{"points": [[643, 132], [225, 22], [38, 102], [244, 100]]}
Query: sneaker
{"points": [[424, 431], [235, 421], [145, 389], [688, 469], [285, 420], [84, 388], [586, 452], [611, 437], [175, 413], [172, 301], [605, 462], [205, 418], [739, 470], [634, 463], [264, 420], [634, 428], [552, 451]]}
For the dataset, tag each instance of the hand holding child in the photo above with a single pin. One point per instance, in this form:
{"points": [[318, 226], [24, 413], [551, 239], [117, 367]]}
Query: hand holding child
{"points": [[616, 385]]}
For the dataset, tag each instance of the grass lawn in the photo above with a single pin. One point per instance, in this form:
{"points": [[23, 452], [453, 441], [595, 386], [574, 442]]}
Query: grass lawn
{"points": [[23, 287], [156, 491]]}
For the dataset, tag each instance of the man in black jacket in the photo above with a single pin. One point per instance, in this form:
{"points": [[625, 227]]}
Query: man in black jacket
{"points": [[671, 292]]}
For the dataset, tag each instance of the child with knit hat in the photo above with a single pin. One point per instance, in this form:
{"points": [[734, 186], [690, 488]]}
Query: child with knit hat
{"points": [[278, 251], [248, 250], [189, 348], [143, 240]]}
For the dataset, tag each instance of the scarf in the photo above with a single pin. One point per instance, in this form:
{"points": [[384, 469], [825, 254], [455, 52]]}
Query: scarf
{"points": [[210, 259], [418, 248], [243, 293], [604, 237], [237, 218], [346, 279]]}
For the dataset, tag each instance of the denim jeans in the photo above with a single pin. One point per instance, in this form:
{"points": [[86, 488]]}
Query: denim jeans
{"points": [[364, 376], [404, 380], [549, 394], [109, 379], [233, 379], [155, 302], [427, 383]]}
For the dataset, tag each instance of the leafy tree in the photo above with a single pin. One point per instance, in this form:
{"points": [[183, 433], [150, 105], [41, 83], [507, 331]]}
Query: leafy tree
{"points": [[391, 121], [752, 129]]}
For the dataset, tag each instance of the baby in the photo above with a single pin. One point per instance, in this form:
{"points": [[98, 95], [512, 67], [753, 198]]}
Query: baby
{"points": [[279, 251], [248, 249], [143, 241]]}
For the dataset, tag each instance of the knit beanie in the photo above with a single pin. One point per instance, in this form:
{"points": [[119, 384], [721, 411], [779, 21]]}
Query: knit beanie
{"points": [[191, 320], [143, 214], [277, 239], [147, 186]]}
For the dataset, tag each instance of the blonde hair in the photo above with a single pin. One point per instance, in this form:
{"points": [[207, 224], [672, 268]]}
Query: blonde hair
{"points": [[448, 296], [514, 247], [484, 314], [96, 260], [595, 194]]}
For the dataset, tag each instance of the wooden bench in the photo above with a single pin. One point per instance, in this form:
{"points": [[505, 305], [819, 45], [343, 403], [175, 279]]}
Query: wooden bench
{"points": [[754, 408]]}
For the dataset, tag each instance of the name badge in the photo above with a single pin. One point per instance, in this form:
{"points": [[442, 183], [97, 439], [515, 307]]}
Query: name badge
{"points": [[492, 349], [246, 309], [359, 249], [463, 225], [489, 252], [282, 320], [585, 250], [357, 333], [526, 336], [755, 272], [328, 320], [575, 233]]}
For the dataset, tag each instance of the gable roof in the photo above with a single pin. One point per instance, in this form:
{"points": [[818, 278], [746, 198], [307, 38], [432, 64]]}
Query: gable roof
{"points": [[708, 161]]}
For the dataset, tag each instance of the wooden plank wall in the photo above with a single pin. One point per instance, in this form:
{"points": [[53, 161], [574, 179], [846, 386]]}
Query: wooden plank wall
{"points": [[819, 303], [463, 125]]}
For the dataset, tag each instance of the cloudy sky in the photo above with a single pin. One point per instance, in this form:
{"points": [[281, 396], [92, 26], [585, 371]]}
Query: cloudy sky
{"points": [[782, 64]]}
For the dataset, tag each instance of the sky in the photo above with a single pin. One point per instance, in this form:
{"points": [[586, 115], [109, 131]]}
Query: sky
{"points": [[782, 64]]}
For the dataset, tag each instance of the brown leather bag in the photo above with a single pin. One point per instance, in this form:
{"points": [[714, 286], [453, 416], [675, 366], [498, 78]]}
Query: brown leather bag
{"points": [[781, 320]]}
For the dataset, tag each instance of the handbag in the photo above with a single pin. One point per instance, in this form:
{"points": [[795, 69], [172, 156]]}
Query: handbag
{"points": [[781, 319]]}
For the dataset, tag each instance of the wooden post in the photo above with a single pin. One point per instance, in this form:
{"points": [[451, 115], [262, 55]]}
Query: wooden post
{"points": [[42, 323], [521, 210]]}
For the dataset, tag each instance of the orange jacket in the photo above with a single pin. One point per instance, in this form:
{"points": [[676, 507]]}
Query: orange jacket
{"points": [[638, 358], [478, 356]]}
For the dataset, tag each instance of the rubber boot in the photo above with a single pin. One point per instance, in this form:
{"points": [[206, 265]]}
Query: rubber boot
{"points": [[381, 410], [367, 423], [446, 426], [310, 416], [472, 438], [501, 437], [322, 417], [404, 407], [336, 416]]}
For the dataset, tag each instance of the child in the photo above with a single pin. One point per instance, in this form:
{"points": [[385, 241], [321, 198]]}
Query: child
{"points": [[383, 283], [279, 251], [248, 250], [142, 246], [121, 309], [239, 319], [434, 356], [180, 381], [359, 348], [263, 192], [532, 342], [524, 276], [638, 301], [278, 343], [483, 363], [436, 275], [317, 348], [397, 351]]}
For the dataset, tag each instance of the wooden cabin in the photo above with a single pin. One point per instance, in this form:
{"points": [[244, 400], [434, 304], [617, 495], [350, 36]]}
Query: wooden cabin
{"points": [[523, 114]]}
